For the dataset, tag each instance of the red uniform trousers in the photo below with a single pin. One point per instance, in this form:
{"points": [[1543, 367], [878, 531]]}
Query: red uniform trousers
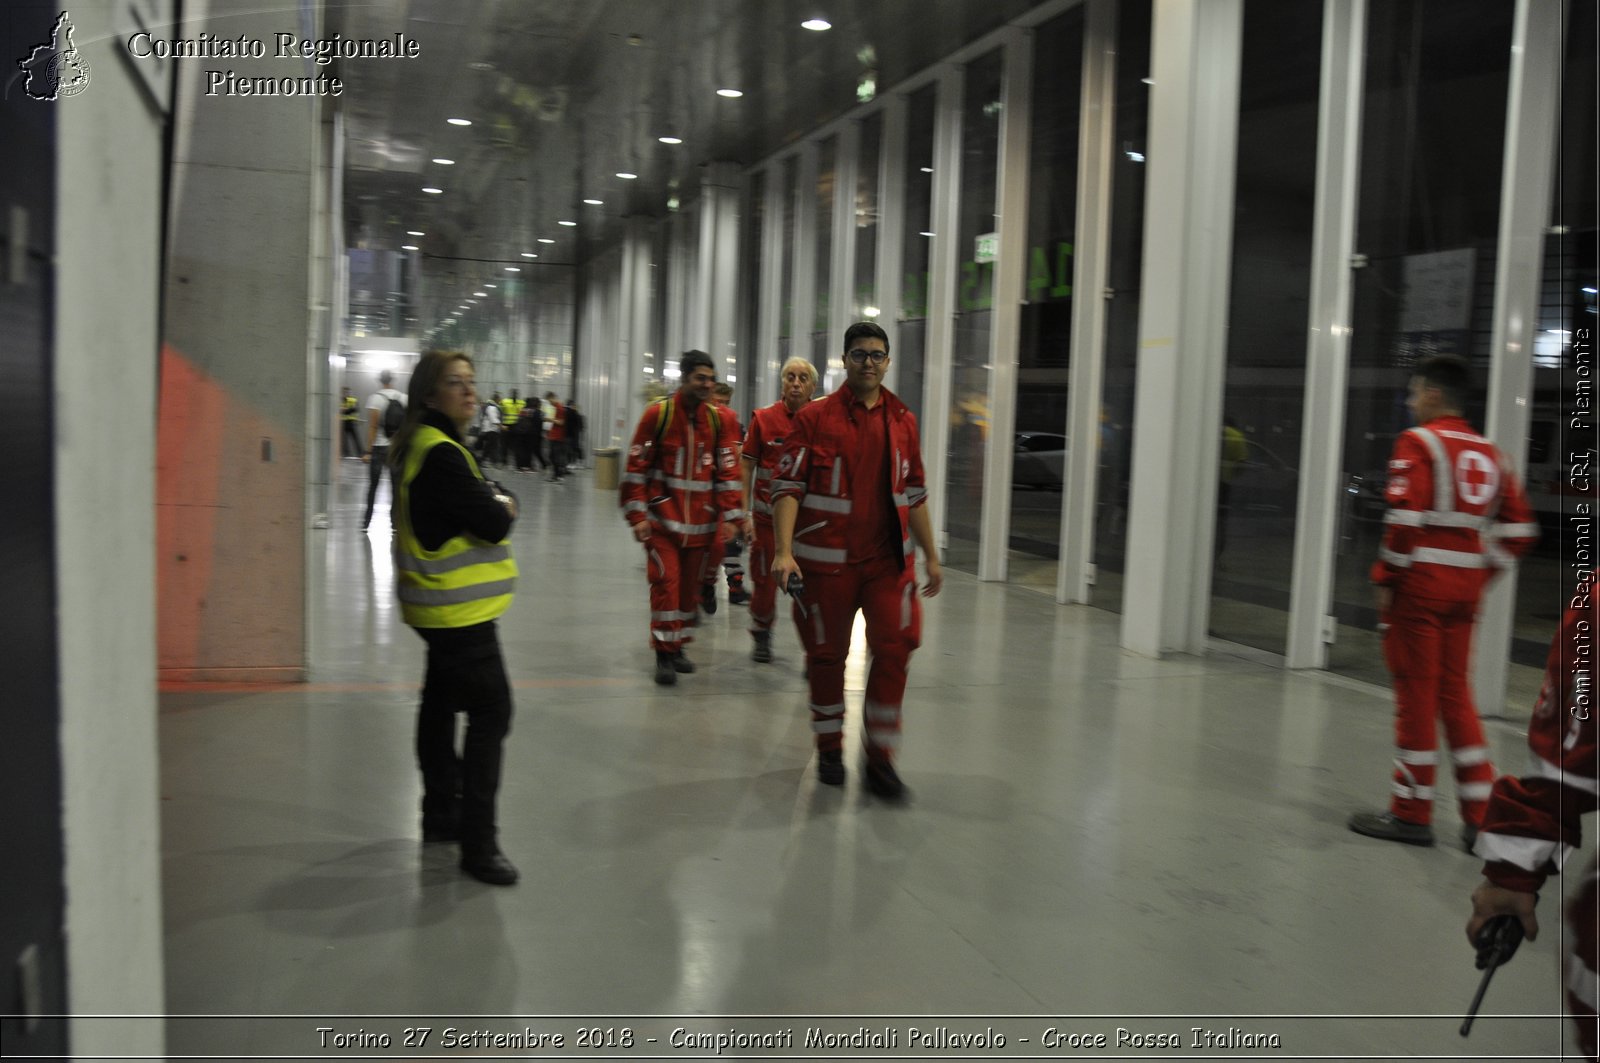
{"points": [[763, 588], [674, 590], [886, 595], [1427, 648]]}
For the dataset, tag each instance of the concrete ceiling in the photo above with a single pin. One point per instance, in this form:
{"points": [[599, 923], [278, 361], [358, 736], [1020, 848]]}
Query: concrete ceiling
{"points": [[564, 94]]}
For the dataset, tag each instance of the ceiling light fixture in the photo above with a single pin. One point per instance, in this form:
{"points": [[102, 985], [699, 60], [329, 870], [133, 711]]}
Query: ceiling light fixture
{"points": [[626, 176], [816, 25], [491, 285], [415, 232], [409, 247], [434, 191], [481, 295], [529, 254], [459, 121], [594, 202], [513, 269], [670, 140], [546, 240], [569, 224], [445, 162], [732, 94]]}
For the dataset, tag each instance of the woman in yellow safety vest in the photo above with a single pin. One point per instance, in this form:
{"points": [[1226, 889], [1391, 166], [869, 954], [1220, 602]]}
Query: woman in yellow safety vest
{"points": [[455, 574]]}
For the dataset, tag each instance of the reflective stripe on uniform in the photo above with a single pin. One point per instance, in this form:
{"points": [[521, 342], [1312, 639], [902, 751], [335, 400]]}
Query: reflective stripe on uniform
{"points": [[1444, 483], [826, 503], [1545, 770], [1417, 756], [456, 595], [1469, 755], [1530, 854], [1452, 558], [1474, 791], [685, 529], [1514, 531], [819, 553], [477, 555]]}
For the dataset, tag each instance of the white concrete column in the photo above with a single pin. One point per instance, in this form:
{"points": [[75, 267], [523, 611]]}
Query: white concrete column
{"points": [[765, 361], [943, 256], [718, 262], [1183, 314], [1090, 266], [1321, 500], [1011, 209], [1527, 174], [105, 363], [804, 307]]}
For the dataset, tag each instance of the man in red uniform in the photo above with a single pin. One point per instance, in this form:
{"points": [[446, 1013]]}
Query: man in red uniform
{"points": [[1532, 823], [763, 444], [681, 490], [1457, 516], [851, 477]]}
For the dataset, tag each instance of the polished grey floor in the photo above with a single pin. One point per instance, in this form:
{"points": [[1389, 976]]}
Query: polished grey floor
{"points": [[1091, 833]]}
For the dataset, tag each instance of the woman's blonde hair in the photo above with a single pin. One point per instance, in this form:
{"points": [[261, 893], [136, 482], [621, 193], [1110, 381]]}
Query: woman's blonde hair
{"points": [[425, 378]]}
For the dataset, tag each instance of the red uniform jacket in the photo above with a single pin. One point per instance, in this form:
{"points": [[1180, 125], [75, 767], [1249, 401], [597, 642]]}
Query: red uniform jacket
{"points": [[1532, 822], [558, 423], [684, 478], [1457, 513], [769, 429], [815, 468]]}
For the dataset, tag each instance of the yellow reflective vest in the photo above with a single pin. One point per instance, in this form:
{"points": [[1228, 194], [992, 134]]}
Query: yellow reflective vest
{"points": [[467, 580], [351, 407]]}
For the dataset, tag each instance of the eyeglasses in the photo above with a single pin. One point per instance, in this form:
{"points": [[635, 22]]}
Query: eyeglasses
{"points": [[860, 356]]}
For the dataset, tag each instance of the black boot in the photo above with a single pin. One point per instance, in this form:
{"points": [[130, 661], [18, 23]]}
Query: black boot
{"points": [[666, 674], [487, 863], [762, 653]]}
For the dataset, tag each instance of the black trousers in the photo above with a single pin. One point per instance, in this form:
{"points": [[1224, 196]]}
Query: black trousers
{"points": [[380, 462], [350, 440], [466, 678]]}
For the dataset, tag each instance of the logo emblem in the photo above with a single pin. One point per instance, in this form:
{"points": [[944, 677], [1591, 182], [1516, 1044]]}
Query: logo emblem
{"points": [[55, 69], [1478, 477]]}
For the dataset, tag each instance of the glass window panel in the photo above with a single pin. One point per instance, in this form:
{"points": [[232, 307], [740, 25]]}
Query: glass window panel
{"points": [[1561, 446], [974, 312], [910, 346], [1124, 265], [864, 303], [821, 343], [1269, 300], [1433, 133], [1043, 355]]}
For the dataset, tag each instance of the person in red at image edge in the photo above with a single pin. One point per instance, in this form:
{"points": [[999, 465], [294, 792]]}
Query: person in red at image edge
{"points": [[848, 499], [1532, 823], [763, 445], [680, 492], [1457, 516]]}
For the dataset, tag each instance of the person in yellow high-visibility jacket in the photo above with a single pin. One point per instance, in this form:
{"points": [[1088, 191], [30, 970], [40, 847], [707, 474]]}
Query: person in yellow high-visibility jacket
{"points": [[455, 575], [350, 424]]}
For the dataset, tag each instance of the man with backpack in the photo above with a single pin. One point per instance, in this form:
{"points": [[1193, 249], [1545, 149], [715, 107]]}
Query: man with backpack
{"points": [[386, 412], [680, 492]]}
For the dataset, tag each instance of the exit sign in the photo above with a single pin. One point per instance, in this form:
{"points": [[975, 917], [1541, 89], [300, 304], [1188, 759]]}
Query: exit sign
{"points": [[988, 245]]}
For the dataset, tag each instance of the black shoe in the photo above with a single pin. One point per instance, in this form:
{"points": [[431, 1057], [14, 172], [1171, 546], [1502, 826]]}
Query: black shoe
{"points": [[680, 663], [1391, 828], [1469, 836], [488, 865], [762, 653], [883, 780], [708, 598], [666, 674], [830, 767], [738, 596]]}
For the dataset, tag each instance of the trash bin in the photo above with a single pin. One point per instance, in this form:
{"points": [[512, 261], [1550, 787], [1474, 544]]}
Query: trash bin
{"points": [[607, 473]]}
